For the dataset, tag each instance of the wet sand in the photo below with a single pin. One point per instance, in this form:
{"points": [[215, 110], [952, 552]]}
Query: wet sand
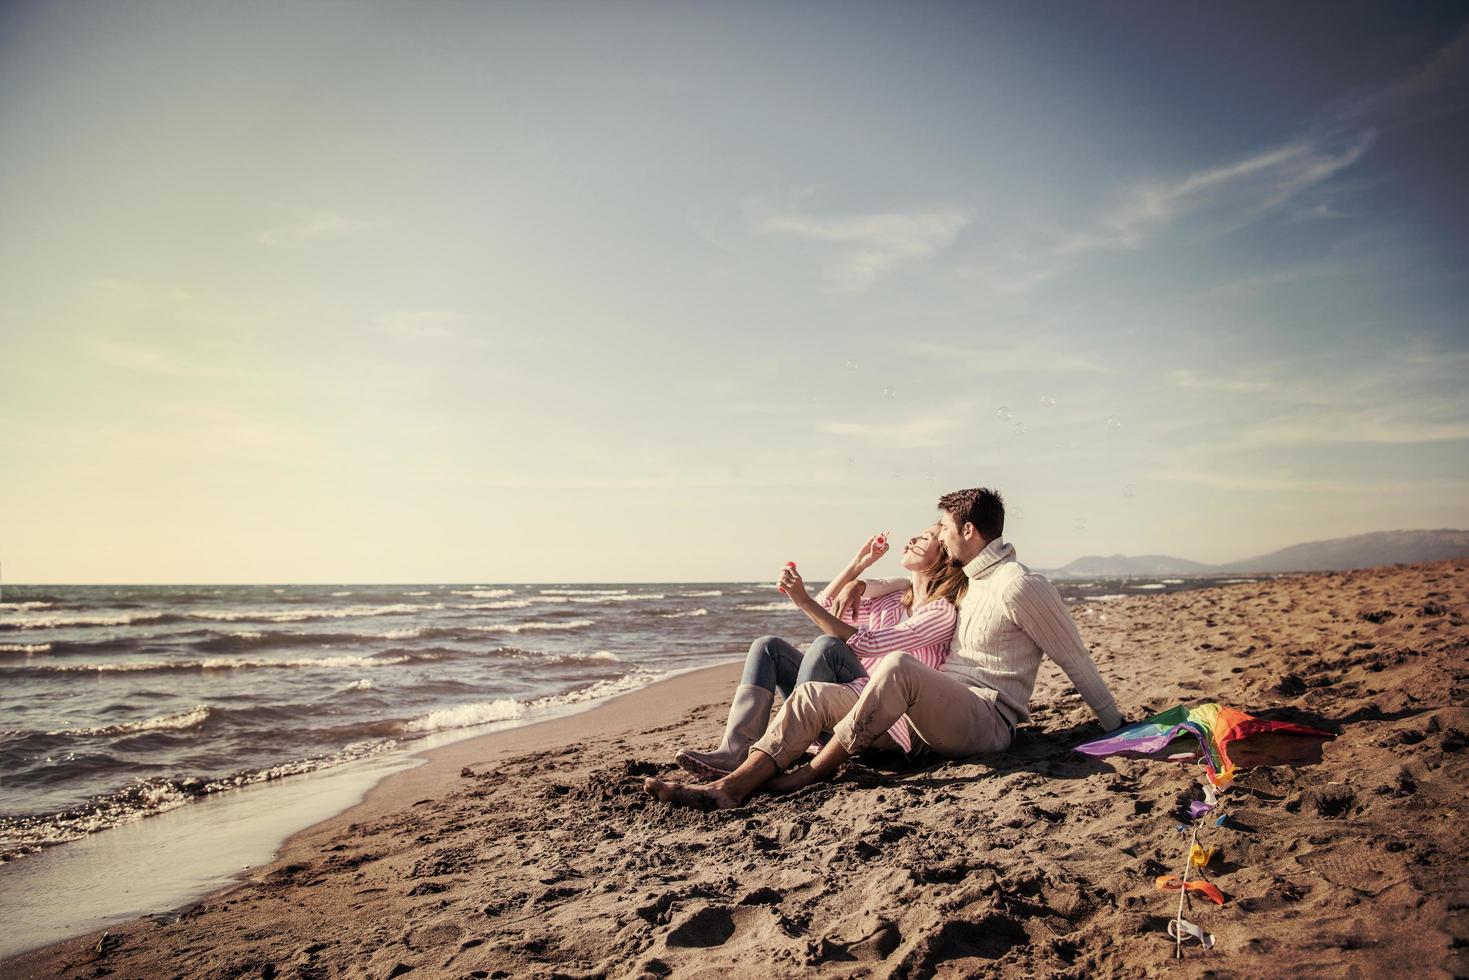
{"points": [[533, 852]]}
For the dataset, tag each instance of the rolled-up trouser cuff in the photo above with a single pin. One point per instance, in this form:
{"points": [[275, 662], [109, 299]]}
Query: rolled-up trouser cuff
{"points": [[810, 710]]}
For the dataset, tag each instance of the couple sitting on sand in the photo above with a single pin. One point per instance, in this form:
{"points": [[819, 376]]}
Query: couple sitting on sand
{"points": [[945, 659]]}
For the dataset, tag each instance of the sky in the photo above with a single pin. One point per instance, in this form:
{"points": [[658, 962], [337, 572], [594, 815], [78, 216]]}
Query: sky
{"points": [[497, 292]]}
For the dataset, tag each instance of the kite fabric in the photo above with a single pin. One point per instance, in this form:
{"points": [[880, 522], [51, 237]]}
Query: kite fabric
{"points": [[1227, 739]]}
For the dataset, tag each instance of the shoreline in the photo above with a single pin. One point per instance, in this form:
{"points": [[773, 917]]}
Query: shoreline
{"points": [[533, 851], [207, 839]]}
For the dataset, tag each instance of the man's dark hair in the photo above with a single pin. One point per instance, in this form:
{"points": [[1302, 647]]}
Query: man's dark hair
{"points": [[979, 506]]}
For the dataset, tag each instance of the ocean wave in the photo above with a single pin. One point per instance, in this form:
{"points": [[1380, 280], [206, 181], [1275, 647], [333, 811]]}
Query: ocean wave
{"points": [[767, 606], [502, 604], [1150, 585], [701, 595], [1173, 581], [149, 796], [216, 663], [361, 684], [24, 606], [51, 621], [508, 709], [583, 591], [483, 593], [1106, 598], [26, 648], [595, 599], [338, 595], [175, 722], [532, 627], [682, 615], [300, 615], [418, 593]]}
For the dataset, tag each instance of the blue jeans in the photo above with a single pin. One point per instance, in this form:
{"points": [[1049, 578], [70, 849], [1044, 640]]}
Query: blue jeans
{"points": [[775, 665]]}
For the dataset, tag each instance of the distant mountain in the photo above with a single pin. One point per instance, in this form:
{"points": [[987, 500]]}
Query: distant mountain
{"points": [[1334, 555], [1359, 551]]}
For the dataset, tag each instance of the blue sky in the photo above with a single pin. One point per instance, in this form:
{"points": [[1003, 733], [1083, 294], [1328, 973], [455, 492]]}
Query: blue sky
{"points": [[452, 291]]}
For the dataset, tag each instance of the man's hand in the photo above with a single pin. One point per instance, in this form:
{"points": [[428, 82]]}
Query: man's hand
{"points": [[848, 599]]}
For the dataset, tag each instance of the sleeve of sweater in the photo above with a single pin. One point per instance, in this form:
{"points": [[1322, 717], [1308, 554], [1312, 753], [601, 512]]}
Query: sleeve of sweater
{"points": [[1036, 608], [931, 625]]}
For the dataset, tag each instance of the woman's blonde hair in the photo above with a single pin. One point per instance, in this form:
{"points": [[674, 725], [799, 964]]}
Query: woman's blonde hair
{"points": [[948, 581]]}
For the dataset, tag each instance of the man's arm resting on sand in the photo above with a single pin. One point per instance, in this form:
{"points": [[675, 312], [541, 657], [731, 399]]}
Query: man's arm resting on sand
{"points": [[1036, 607]]}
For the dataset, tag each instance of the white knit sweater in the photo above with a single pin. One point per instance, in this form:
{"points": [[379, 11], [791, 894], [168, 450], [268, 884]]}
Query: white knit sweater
{"points": [[1008, 619]]}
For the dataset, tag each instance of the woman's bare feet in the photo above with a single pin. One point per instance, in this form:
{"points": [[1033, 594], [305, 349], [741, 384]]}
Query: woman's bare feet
{"points": [[789, 782], [711, 796]]}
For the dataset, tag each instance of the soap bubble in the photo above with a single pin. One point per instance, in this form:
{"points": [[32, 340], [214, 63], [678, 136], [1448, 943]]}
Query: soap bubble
{"points": [[1047, 401], [1129, 491], [1018, 514], [1113, 422], [851, 365], [890, 393], [1004, 414], [1020, 428], [1080, 524]]}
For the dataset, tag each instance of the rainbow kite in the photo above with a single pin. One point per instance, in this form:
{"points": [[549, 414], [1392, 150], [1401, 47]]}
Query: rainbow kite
{"points": [[1228, 739]]}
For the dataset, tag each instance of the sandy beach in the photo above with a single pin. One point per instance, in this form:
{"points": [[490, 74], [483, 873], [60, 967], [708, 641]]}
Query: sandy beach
{"points": [[533, 852]]}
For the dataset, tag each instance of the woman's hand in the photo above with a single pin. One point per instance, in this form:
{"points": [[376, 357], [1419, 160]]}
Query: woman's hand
{"points": [[848, 599], [791, 583], [875, 548]]}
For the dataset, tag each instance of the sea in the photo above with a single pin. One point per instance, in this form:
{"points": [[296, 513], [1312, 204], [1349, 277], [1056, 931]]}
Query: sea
{"points": [[118, 703]]}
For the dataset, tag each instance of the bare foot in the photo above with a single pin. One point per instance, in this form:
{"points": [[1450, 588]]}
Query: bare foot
{"points": [[708, 797], [789, 782]]}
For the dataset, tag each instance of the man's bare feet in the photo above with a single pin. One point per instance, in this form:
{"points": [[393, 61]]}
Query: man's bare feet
{"points": [[789, 782], [708, 797]]}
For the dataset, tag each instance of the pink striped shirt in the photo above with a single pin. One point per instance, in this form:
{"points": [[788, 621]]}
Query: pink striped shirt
{"points": [[884, 626]]}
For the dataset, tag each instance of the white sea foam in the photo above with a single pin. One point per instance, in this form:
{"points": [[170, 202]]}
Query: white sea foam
{"points": [[46, 621], [501, 604], [23, 606], [508, 709], [533, 627], [175, 722], [583, 591], [597, 599], [222, 663], [406, 633], [1232, 581], [701, 595], [1150, 585], [1173, 581], [298, 615], [26, 648], [418, 593], [1105, 598], [483, 593], [682, 615], [467, 715], [766, 606], [339, 594], [602, 655], [361, 684]]}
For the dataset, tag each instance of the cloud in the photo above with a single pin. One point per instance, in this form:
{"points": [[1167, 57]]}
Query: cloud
{"points": [[1234, 194], [144, 359], [422, 325], [1284, 483], [1357, 427], [313, 225], [1012, 359], [868, 245], [927, 430], [1435, 88], [1193, 379]]}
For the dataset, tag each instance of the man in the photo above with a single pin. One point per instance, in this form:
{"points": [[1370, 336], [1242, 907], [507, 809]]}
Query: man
{"points": [[1008, 619]]}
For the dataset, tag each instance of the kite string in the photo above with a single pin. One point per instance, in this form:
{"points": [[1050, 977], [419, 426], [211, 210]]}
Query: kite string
{"points": [[1183, 891]]}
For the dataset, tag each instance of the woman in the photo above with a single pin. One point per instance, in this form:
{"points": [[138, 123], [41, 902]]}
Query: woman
{"points": [[919, 621]]}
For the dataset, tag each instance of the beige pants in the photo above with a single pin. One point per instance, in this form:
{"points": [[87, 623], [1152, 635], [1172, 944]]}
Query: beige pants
{"points": [[952, 718]]}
